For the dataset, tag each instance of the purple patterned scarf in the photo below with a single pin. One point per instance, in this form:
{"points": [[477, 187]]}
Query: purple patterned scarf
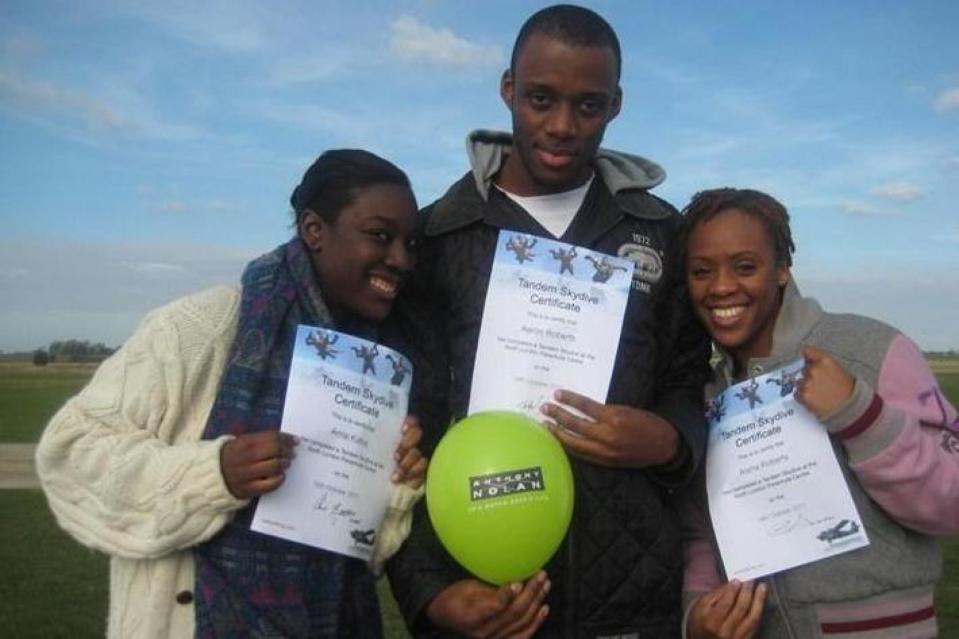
{"points": [[254, 585]]}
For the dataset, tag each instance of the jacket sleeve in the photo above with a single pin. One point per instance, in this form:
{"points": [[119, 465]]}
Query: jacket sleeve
{"points": [[682, 371], [902, 439], [701, 570], [395, 527], [121, 463], [422, 568]]}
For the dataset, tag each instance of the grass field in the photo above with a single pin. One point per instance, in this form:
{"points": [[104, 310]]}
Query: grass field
{"points": [[52, 587], [30, 395]]}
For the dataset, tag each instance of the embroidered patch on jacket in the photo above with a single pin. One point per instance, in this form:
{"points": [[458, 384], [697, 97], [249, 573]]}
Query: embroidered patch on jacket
{"points": [[649, 264]]}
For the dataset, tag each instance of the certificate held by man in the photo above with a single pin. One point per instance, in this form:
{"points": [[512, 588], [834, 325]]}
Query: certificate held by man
{"points": [[346, 400], [552, 319], [777, 497]]}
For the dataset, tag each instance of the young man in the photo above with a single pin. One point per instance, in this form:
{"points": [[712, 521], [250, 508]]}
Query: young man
{"points": [[618, 572]]}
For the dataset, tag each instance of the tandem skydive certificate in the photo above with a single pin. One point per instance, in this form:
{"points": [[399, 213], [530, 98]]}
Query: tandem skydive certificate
{"points": [[777, 497], [552, 320], [346, 400]]}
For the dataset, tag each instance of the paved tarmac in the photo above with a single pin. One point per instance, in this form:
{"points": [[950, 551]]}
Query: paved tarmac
{"points": [[17, 467]]}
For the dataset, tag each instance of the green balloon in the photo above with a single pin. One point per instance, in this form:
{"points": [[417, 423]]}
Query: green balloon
{"points": [[499, 492]]}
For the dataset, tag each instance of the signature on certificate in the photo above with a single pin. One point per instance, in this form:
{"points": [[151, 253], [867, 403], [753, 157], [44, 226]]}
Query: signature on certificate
{"points": [[335, 510], [531, 405], [788, 525]]}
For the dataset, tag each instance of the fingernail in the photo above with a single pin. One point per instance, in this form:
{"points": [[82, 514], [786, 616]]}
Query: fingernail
{"points": [[547, 586], [544, 610], [395, 477], [406, 427], [516, 587]]}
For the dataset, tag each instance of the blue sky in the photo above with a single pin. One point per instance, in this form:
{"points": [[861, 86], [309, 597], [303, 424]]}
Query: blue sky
{"points": [[148, 149]]}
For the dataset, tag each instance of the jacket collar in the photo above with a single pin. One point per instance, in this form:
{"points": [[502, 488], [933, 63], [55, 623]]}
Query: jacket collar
{"points": [[797, 317], [627, 177]]}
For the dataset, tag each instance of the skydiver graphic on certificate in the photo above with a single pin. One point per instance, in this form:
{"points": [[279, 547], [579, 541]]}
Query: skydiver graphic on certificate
{"points": [[546, 328]]}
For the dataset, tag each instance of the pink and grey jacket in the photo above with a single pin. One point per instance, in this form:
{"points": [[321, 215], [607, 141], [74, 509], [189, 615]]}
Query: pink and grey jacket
{"points": [[897, 441]]}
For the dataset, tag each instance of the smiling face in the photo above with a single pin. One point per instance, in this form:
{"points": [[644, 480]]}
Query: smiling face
{"points": [[361, 259], [561, 97], [735, 283]]}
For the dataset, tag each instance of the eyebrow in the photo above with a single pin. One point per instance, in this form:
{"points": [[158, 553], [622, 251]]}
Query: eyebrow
{"points": [[747, 253], [547, 88], [378, 219]]}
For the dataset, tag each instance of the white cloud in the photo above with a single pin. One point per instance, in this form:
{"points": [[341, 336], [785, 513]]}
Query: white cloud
{"points": [[898, 191], [85, 114], [159, 268], [307, 69], [861, 209], [948, 100], [413, 40], [180, 206], [371, 125], [32, 96], [229, 25]]}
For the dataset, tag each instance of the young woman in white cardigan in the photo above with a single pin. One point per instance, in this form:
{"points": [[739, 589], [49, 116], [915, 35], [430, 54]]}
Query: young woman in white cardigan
{"points": [[158, 460]]}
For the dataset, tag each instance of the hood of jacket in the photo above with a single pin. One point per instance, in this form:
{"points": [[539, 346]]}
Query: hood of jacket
{"points": [[626, 176], [488, 150]]}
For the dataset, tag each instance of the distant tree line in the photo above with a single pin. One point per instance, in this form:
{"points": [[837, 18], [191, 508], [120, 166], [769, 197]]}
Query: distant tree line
{"points": [[950, 354], [73, 351]]}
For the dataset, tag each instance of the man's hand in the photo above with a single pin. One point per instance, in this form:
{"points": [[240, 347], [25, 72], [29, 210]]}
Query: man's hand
{"points": [[255, 463], [732, 611], [410, 463], [476, 609], [825, 385], [613, 435]]}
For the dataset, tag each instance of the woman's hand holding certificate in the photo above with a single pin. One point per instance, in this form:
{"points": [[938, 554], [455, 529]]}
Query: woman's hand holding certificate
{"points": [[824, 386]]}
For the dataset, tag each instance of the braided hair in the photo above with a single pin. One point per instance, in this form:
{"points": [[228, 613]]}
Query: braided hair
{"points": [[706, 205]]}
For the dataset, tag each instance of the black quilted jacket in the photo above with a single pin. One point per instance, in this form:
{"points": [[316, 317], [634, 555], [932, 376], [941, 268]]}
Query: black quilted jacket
{"points": [[619, 570]]}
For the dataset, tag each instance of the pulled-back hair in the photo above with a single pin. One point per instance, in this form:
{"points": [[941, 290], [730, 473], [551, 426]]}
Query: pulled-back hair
{"points": [[332, 181], [706, 205], [572, 25]]}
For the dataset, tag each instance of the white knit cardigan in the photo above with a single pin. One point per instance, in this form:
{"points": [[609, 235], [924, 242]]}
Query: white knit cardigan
{"points": [[125, 471]]}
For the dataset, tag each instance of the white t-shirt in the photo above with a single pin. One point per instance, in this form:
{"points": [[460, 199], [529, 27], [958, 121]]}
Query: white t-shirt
{"points": [[554, 212]]}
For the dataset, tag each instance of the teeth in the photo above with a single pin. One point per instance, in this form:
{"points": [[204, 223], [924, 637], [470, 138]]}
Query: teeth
{"points": [[727, 313], [382, 285]]}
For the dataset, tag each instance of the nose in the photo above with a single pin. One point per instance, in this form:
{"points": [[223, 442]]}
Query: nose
{"points": [[722, 283], [400, 256], [561, 122]]}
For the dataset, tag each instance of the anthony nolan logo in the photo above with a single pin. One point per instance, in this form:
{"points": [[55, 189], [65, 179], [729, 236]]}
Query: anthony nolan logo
{"points": [[510, 482]]}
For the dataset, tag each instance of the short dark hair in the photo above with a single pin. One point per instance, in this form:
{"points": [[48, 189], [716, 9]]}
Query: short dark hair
{"points": [[706, 205], [572, 25], [332, 181]]}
